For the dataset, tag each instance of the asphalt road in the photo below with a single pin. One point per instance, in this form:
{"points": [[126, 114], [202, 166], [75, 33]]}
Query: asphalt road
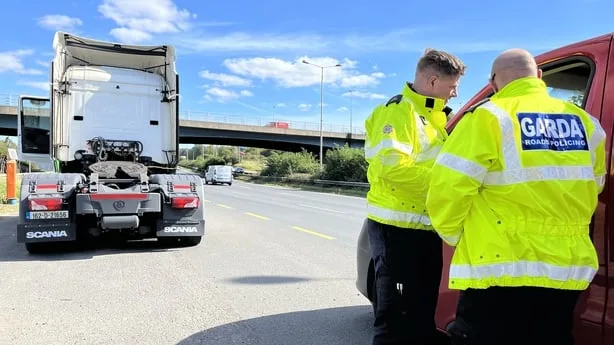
{"points": [[277, 266]]}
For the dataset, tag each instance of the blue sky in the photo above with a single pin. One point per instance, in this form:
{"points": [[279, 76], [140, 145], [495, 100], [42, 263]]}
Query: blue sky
{"points": [[242, 58]]}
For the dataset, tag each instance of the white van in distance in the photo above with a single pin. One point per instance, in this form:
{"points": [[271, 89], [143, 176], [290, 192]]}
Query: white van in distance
{"points": [[219, 174]]}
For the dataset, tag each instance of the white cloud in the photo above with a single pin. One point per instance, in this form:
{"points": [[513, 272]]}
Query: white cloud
{"points": [[59, 22], [42, 85], [139, 19], [342, 109], [11, 61], [297, 74], [43, 63], [365, 95], [223, 95], [130, 36], [245, 42], [304, 107], [225, 79], [280, 105]]}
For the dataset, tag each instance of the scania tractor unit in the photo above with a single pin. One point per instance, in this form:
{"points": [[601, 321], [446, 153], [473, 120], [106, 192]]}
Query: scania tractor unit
{"points": [[108, 134]]}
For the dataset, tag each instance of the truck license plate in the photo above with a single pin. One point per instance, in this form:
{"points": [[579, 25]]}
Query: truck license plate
{"points": [[47, 215]]}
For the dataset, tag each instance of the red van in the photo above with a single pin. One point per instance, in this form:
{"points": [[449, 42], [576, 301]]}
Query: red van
{"points": [[583, 73]]}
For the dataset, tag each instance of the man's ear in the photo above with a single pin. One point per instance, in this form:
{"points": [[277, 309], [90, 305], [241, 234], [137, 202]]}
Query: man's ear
{"points": [[432, 80], [539, 73]]}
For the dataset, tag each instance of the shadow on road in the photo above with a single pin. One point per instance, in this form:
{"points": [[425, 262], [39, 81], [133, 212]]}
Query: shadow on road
{"points": [[10, 250], [334, 326], [264, 280]]}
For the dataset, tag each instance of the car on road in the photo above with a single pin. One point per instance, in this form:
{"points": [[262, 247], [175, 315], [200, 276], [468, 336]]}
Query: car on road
{"points": [[582, 72], [237, 171]]}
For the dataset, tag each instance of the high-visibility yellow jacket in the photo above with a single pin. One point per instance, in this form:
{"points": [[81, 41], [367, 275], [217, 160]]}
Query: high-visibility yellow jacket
{"points": [[402, 141], [514, 189]]}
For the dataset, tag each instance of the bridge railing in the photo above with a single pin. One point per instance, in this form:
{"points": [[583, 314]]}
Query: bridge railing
{"points": [[11, 99]]}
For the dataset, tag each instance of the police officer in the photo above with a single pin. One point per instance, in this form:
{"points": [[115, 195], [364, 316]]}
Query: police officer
{"points": [[514, 189], [402, 142]]}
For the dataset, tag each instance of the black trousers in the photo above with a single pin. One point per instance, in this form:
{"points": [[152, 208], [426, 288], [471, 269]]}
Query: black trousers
{"points": [[514, 315], [408, 265]]}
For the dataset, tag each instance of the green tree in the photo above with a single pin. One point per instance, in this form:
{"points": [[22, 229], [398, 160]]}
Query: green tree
{"points": [[345, 164], [288, 163], [577, 99]]}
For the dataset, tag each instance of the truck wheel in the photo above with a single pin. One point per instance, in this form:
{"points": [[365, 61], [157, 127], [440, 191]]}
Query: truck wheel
{"points": [[35, 248], [191, 241], [180, 241]]}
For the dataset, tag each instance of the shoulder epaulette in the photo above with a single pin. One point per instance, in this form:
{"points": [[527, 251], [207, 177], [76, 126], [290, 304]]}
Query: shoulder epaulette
{"points": [[396, 99], [475, 106]]}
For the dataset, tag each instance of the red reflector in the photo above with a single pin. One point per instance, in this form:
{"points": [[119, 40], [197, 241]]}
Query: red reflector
{"points": [[185, 202], [45, 204], [118, 196]]}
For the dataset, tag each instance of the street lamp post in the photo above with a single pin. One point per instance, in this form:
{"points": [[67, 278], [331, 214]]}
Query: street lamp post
{"points": [[321, 105], [351, 94]]}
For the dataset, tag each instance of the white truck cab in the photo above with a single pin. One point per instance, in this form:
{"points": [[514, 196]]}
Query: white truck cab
{"points": [[219, 174]]}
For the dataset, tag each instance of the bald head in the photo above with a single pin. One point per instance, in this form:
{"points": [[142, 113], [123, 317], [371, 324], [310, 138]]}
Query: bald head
{"points": [[514, 64]]}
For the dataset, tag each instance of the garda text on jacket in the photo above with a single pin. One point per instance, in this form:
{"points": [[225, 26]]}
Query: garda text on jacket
{"points": [[556, 132]]}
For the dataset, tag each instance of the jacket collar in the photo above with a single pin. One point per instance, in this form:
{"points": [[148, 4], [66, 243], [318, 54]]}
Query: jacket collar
{"points": [[425, 105], [521, 87], [434, 110]]}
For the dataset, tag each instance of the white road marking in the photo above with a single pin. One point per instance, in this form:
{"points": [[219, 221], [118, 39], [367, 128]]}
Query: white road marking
{"points": [[320, 208]]}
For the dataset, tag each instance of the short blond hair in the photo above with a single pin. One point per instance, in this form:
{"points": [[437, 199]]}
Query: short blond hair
{"points": [[441, 62]]}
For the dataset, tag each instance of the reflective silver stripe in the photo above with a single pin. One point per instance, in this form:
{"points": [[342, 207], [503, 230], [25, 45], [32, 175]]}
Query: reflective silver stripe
{"points": [[462, 165], [596, 138], [539, 174], [371, 152], [398, 216], [522, 268], [511, 156], [513, 171], [600, 180], [428, 154]]}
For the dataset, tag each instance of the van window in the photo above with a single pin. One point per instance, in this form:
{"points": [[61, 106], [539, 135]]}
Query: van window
{"points": [[569, 81]]}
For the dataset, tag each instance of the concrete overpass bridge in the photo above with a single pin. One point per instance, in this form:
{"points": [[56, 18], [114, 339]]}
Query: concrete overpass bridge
{"points": [[219, 129]]}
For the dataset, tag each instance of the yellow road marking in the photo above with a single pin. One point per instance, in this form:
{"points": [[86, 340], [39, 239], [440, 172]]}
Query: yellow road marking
{"points": [[257, 215], [224, 206], [313, 232], [207, 200]]}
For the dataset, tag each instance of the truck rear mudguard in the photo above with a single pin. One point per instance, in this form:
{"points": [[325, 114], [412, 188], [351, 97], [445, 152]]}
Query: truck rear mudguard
{"points": [[45, 209], [184, 213]]}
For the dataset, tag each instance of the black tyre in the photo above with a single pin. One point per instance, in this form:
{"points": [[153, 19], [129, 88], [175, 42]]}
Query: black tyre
{"points": [[180, 241]]}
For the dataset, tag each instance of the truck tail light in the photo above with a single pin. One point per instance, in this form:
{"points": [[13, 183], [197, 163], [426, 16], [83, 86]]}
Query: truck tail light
{"points": [[185, 202], [45, 204]]}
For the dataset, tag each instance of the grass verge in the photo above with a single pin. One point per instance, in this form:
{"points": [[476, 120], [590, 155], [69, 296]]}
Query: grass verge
{"points": [[251, 165], [304, 184]]}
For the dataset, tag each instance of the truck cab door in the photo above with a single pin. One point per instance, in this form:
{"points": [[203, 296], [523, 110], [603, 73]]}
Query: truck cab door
{"points": [[34, 131]]}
